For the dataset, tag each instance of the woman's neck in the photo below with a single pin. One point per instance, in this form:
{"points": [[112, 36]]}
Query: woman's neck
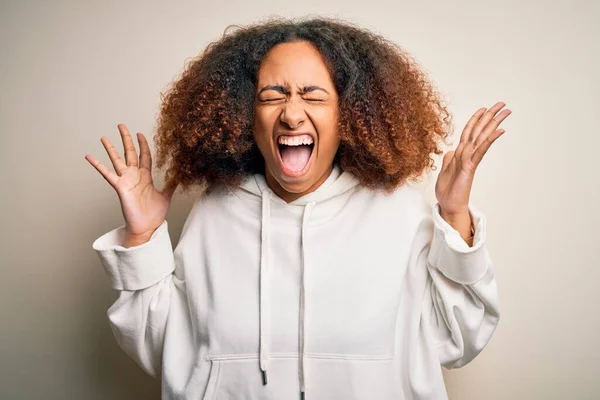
{"points": [[288, 197]]}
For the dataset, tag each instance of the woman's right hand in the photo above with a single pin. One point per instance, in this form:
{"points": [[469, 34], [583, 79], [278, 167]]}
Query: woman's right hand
{"points": [[144, 208]]}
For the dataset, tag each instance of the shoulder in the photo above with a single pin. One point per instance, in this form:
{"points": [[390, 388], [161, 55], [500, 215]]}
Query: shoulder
{"points": [[402, 210], [214, 205]]}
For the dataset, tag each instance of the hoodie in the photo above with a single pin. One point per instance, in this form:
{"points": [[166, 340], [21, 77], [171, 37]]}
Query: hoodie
{"points": [[345, 293]]}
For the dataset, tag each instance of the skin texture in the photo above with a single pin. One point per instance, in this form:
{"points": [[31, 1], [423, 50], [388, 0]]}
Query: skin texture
{"points": [[295, 93]]}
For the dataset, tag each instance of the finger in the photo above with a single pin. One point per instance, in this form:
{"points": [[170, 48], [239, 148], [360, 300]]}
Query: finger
{"points": [[114, 156], [483, 121], [131, 157], [470, 124], [485, 145], [447, 158], [492, 125], [145, 155], [464, 137], [110, 176]]}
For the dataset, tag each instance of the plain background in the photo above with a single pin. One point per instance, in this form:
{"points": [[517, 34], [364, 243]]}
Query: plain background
{"points": [[71, 71]]}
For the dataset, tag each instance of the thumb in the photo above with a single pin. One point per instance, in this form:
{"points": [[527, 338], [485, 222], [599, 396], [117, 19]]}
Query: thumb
{"points": [[170, 188], [447, 157]]}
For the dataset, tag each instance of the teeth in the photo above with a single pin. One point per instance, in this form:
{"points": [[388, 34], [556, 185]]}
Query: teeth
{"points": [[295, 140]]}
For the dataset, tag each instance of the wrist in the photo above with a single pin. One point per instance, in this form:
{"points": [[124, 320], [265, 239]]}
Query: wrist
{"points": [[132, 239], [461, 222], [455, 215]]}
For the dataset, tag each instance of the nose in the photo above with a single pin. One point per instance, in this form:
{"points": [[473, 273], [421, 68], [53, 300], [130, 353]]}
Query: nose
{"points": [[292, 114]]}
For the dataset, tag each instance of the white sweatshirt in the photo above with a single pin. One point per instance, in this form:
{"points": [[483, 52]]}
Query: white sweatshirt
{"points": [[345, 293]]}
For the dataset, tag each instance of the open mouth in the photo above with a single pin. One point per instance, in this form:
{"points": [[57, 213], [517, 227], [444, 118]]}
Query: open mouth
{"points": [[295, 153]]}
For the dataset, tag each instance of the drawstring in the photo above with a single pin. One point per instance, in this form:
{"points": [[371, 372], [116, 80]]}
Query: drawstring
{"points": [[263, 292], [301, 359]]}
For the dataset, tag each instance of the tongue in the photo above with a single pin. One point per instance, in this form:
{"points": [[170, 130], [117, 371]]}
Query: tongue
{"points": [[295, 157]]}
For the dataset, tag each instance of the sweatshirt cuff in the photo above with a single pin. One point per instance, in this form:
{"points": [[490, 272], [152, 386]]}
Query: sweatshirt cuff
{"points": [[450, 253], [136, 267]]}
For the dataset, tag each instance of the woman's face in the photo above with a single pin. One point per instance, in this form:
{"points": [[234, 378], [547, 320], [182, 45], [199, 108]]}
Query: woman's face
{"points": [[295, 119]]}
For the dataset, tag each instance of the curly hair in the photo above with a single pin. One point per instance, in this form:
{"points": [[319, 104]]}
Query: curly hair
{"points": [[390, 115]]}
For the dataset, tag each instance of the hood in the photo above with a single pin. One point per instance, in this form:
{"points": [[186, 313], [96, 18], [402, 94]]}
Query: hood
{"points": [[325, 200], [338, 183]]}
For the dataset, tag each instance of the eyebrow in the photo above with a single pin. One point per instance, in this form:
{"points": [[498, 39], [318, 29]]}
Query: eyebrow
{"points": [[281, 89]]}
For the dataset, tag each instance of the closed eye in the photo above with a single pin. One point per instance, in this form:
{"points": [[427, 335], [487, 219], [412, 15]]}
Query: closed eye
{"points": [[268, 100]]}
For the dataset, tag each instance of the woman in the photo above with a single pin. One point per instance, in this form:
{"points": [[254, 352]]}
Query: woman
{"points": [[310, 267]]}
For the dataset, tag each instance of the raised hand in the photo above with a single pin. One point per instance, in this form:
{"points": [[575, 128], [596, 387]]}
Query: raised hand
{"points": [[453, 186], [144, 207]]}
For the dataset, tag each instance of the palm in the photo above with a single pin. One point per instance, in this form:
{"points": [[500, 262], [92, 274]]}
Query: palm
{"points": [[454, 183], [453, 186], [144, 207]]}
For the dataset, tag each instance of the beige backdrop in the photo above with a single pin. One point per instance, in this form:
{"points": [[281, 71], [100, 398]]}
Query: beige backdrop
{"points": [[70, 72]]}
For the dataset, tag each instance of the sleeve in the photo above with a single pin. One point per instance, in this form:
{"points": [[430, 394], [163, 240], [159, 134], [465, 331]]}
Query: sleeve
{"points": [[461, 304], [143, 275]]}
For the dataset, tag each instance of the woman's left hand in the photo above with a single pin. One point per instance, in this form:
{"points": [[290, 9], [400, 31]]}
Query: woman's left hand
{"points": [[453, 186]]}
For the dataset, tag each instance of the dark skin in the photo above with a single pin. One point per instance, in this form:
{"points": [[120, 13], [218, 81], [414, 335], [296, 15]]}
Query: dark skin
{"points": [[295, 93]]}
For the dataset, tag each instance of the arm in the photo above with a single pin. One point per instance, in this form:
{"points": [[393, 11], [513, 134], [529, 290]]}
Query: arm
{"points": [[460, 304], [142, 273]]}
